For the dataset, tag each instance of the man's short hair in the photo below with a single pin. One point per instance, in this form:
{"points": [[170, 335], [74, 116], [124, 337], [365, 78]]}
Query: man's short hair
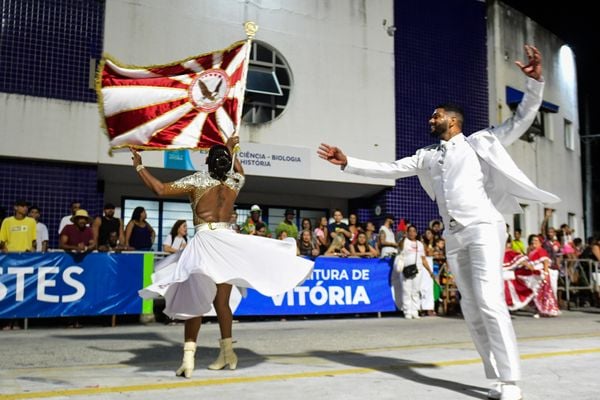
{"points": [[109, 206], [21, 202], [455, 109]]}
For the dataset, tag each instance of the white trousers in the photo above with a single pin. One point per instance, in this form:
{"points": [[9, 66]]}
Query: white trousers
{"points": [[475, 254], [426, 289], [411, 295]]}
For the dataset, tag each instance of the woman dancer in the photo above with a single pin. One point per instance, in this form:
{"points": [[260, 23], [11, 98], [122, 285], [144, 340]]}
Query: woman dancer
{"points": [[216, 257]]}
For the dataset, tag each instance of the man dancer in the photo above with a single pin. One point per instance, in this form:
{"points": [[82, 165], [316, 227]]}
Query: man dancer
{"points": [[473, 180], [217, 257]]}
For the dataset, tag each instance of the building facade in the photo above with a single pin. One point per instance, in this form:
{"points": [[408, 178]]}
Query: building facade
{"points": [[364, 75]]}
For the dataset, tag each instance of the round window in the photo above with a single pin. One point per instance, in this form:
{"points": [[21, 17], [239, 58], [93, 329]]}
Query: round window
{"points": [[268, 85]]}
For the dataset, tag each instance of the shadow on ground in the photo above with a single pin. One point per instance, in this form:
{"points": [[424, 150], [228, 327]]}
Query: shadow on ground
{"points": [[403, 369]]}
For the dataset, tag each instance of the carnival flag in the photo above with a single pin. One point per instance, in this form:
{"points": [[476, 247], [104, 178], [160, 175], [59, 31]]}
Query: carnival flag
{"points": [[189, 104]]}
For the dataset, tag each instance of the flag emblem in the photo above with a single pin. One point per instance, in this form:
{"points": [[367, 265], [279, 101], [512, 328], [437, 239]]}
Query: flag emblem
{"points": [[209, 90]]}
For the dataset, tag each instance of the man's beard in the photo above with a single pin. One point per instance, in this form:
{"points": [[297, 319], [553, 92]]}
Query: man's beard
{"points": [[438, 130]]}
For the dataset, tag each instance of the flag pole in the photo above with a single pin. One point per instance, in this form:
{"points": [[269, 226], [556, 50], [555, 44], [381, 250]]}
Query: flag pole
{"points": [[251, 28]]}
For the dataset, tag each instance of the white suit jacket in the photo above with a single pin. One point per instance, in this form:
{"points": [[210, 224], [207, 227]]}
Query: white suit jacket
{"points": [[505, 184]]}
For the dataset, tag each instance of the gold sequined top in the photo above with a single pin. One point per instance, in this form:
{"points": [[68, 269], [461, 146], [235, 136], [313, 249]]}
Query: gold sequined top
{"points": [[199, 183]]}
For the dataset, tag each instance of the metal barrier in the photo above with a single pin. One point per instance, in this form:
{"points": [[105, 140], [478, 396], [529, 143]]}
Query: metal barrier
{"points": [[586, 271]]}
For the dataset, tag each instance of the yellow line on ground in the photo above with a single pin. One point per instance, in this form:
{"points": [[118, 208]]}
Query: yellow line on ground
{"points": [[468, 344], [269, 378]]}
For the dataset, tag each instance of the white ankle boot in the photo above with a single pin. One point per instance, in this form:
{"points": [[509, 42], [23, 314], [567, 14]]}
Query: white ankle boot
{"points": [[187, 366], [226, 356]]}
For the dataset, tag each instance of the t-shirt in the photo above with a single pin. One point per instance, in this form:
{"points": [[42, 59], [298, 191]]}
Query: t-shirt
{"points": [[18, 234], [42, 236], [412, 252], [177, 244], [290, 229], [66, 220], [76, 235]]}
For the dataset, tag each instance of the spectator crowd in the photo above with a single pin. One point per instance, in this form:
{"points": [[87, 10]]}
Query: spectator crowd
{"points": [[531, 269]]}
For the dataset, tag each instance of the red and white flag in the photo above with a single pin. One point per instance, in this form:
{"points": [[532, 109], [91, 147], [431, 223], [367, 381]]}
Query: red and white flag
{"points": [[190, 104]]}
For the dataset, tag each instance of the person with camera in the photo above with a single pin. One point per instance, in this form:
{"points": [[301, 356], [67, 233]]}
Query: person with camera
{"points": [[412, 258], [474, 181]]}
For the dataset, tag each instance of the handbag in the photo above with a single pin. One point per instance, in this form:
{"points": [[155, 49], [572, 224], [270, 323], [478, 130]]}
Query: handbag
{"points": [[410, 271]]}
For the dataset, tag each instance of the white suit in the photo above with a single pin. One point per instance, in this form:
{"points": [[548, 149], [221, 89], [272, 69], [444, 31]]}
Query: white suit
{"points": [[474, 180]]}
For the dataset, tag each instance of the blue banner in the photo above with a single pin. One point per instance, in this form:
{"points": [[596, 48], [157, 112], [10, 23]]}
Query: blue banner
{"points": [[64, 284], [336, 286]]}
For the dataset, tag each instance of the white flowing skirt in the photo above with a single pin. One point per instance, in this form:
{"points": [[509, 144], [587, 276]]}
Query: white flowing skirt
{"points": [[187, 279]]}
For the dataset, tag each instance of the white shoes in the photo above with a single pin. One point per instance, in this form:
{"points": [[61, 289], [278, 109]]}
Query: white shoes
{"points": [[227, 356], [504, 391], [187, 365], [511, 392]]}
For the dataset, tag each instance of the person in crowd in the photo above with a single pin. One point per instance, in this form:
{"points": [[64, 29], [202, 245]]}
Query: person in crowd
{"points": [[521, 280], [372, 236], [322, 234], [112, 244], [362, 248], [203, 272], [104, 225], [592, 249], [66, 220], [353, 227], [78, 236], [387, 240], [427, 303], [337, 247], [339, 227], [139, 234], [474, 180], [428, 239], [545, 300], [288, 225], [41, 230], [306, 225], [306, 245], [412, 252], [177, 239], [437, 228], [578, 246], [18, 233], [249, 227], [517, 243], [261, 230]]}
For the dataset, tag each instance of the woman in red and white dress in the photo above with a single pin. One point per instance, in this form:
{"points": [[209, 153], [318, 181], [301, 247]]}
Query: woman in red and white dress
{"points": [[521, 280], [545, 300]]}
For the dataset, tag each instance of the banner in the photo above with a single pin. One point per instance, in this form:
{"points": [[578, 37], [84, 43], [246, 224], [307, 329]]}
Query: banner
{"points": [[64, 284], [336, 286], [188, 104]]}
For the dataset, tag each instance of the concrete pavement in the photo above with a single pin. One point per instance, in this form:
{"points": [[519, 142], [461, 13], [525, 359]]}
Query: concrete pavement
{"points": [[325, 358]]}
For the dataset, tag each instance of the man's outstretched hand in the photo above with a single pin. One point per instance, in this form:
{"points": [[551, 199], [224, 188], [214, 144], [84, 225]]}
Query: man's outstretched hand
{"points": [[533, 69], [332, 154]]}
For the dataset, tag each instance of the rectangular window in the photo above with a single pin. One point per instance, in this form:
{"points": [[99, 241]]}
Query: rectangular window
{"points": [[569, 138], [572, 221], [520, 221]]}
